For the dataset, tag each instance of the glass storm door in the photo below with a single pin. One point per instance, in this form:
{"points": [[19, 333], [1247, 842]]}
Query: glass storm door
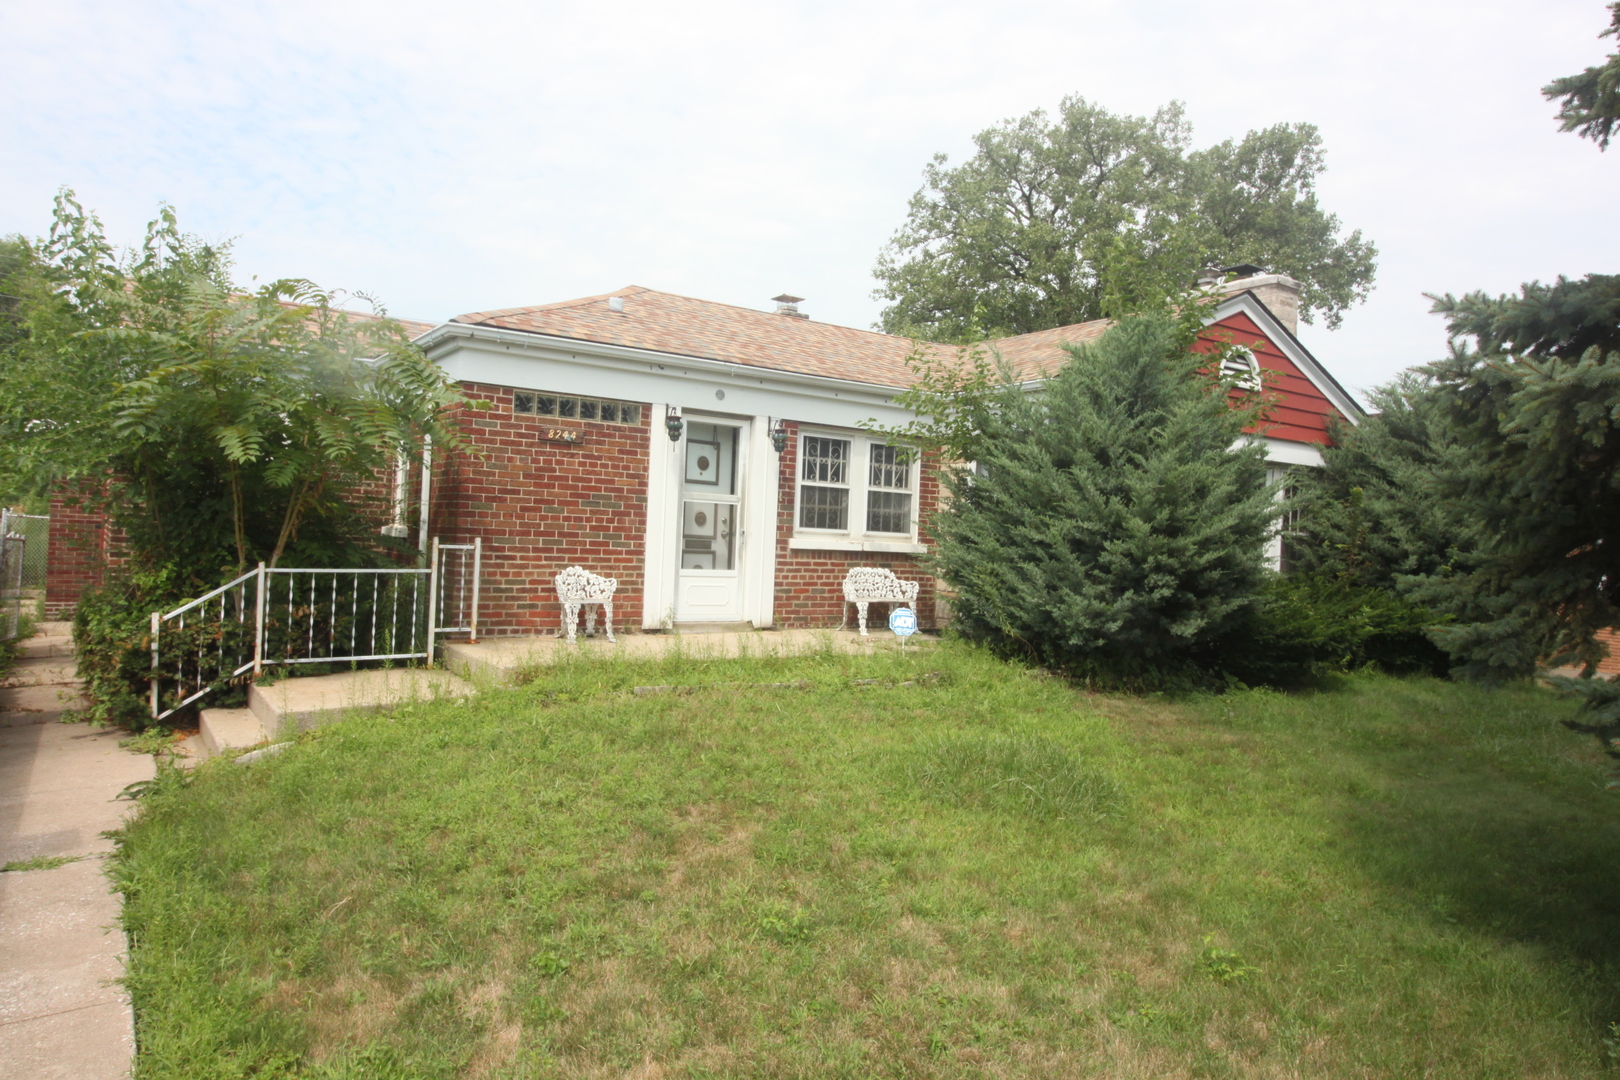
{"points": [[709, 586]]}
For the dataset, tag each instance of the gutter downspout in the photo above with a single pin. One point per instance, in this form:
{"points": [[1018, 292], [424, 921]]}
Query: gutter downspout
{"points": [[427, 492]]}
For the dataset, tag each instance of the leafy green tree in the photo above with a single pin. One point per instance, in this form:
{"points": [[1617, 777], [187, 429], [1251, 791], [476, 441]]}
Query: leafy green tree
{"points": [[1589, 103], [1108, 527], [219, 424], [1095, 214]]}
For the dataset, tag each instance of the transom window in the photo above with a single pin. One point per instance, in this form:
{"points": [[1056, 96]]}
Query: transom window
{"points": [[529, 403], [880, 486]]}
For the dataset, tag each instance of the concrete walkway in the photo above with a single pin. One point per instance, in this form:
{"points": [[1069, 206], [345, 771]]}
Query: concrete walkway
{"points": [[61, 1014]]}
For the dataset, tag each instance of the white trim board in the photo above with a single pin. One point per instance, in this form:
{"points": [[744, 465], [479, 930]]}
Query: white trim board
{"points": [[497, 357]]}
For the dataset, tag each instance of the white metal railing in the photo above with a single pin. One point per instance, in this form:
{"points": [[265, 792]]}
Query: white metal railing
{"points": [[301, 615]]}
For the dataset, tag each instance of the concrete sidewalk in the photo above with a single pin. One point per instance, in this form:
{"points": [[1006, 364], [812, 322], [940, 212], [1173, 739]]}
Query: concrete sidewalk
{"points": [[61, 1014]]}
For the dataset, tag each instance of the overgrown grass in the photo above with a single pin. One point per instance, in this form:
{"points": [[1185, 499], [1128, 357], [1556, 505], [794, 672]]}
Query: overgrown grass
{"points": [[980, 873]]}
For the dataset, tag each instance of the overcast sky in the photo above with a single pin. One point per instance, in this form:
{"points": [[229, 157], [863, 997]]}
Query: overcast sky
{"points": [[455, 157]]}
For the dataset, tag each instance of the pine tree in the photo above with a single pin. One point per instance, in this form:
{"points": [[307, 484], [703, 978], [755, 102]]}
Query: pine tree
{"points": [[1371, 514], [1109, 527], [1590, 103], [1537, 471]]}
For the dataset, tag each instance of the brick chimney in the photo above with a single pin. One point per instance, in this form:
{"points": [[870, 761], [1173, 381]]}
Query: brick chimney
{"points": [[1279, 292]]}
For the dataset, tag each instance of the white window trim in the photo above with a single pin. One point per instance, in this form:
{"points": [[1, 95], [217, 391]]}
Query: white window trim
{"points": [[854, 538]]}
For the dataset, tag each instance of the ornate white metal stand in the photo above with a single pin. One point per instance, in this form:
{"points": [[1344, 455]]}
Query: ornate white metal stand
{"points": [[577, 588], [865, 584]]}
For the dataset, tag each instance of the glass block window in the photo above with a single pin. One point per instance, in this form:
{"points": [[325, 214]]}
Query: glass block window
{"points": [[530, 403], [824, 487]]}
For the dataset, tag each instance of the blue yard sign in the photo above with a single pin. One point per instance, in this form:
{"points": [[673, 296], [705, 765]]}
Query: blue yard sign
{"points": [[903, 621]]}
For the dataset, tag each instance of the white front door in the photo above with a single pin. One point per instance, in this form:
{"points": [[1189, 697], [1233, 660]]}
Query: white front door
{"points": [[708, 585]]}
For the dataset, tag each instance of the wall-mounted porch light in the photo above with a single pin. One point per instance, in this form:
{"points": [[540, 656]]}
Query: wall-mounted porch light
{"points": [[778, 435], [672, 423]]}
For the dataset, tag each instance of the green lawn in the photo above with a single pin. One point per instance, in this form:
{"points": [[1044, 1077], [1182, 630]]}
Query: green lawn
{"points": [[982, 873]]}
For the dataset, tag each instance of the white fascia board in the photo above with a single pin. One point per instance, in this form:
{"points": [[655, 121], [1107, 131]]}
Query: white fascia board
{"points": [[481, 354], [1290, 346], [1285, 451]]}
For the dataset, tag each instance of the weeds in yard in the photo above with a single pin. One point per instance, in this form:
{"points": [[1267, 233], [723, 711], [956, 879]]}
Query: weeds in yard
{"points": [[39, 862]]}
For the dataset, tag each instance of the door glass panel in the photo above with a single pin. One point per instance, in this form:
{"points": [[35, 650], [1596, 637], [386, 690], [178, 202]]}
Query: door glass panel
{"points": [[709, 498], [711, 459], [708, 536]]}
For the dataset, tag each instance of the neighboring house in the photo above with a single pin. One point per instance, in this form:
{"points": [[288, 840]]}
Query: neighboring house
{"points": [[712, 457]]}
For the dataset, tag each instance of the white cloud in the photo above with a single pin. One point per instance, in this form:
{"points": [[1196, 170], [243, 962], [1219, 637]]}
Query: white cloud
{"points": [[458, 157]]}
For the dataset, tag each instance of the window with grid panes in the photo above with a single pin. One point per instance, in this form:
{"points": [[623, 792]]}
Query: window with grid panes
{"points": [[888, 490], [824, 483], [855, 487]]}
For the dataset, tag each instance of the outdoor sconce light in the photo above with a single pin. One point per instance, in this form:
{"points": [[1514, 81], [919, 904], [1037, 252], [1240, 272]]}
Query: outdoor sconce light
{"points": [[672, 424], [779, 436]]}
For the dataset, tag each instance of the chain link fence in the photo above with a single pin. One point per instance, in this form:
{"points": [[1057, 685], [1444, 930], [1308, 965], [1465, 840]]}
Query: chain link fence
{"points": [[24, 546]]}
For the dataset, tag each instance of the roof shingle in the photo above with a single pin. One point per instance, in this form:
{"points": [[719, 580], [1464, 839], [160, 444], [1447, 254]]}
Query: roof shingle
{"points": [[684, 326]]}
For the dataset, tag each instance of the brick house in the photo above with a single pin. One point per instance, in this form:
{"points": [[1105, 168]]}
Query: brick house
{"points": [[712, 458]]}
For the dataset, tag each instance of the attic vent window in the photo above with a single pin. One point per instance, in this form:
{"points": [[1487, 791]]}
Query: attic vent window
{"points": [[1241, 367]]}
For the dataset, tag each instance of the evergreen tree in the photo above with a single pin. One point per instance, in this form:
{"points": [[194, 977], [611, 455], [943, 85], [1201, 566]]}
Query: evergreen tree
{"points": [[1536, 471], [1109, 526], [1371, 513], [1590, 103]]}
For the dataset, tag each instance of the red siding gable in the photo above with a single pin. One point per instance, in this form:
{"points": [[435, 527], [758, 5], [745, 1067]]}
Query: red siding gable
{"points": [[1302, 411]]}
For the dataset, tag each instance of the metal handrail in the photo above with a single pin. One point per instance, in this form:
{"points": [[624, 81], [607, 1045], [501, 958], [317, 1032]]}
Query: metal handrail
{"points": [[316, 618]]}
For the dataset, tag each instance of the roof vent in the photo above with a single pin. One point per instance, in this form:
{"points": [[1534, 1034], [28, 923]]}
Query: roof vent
{"points": [[616, 303], [789, 306]]}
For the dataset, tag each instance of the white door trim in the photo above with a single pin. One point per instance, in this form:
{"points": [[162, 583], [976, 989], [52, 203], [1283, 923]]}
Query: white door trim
{"points": [[743, 558], [660, 546]]}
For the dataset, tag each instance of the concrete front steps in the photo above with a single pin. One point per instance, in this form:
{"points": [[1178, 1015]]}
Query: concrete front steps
{"points": [[44, 683], [282, 709]]}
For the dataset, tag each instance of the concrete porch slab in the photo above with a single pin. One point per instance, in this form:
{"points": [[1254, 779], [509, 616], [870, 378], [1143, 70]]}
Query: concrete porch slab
{"points": [[508, 660], [299, 704]]}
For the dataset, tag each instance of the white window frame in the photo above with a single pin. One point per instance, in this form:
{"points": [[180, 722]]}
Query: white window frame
{"points": [[855, 537]]}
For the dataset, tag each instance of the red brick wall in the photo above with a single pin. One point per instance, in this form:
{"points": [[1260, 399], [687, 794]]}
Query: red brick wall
{"points": [[810, 584], [541, 506], [82, 545]]}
